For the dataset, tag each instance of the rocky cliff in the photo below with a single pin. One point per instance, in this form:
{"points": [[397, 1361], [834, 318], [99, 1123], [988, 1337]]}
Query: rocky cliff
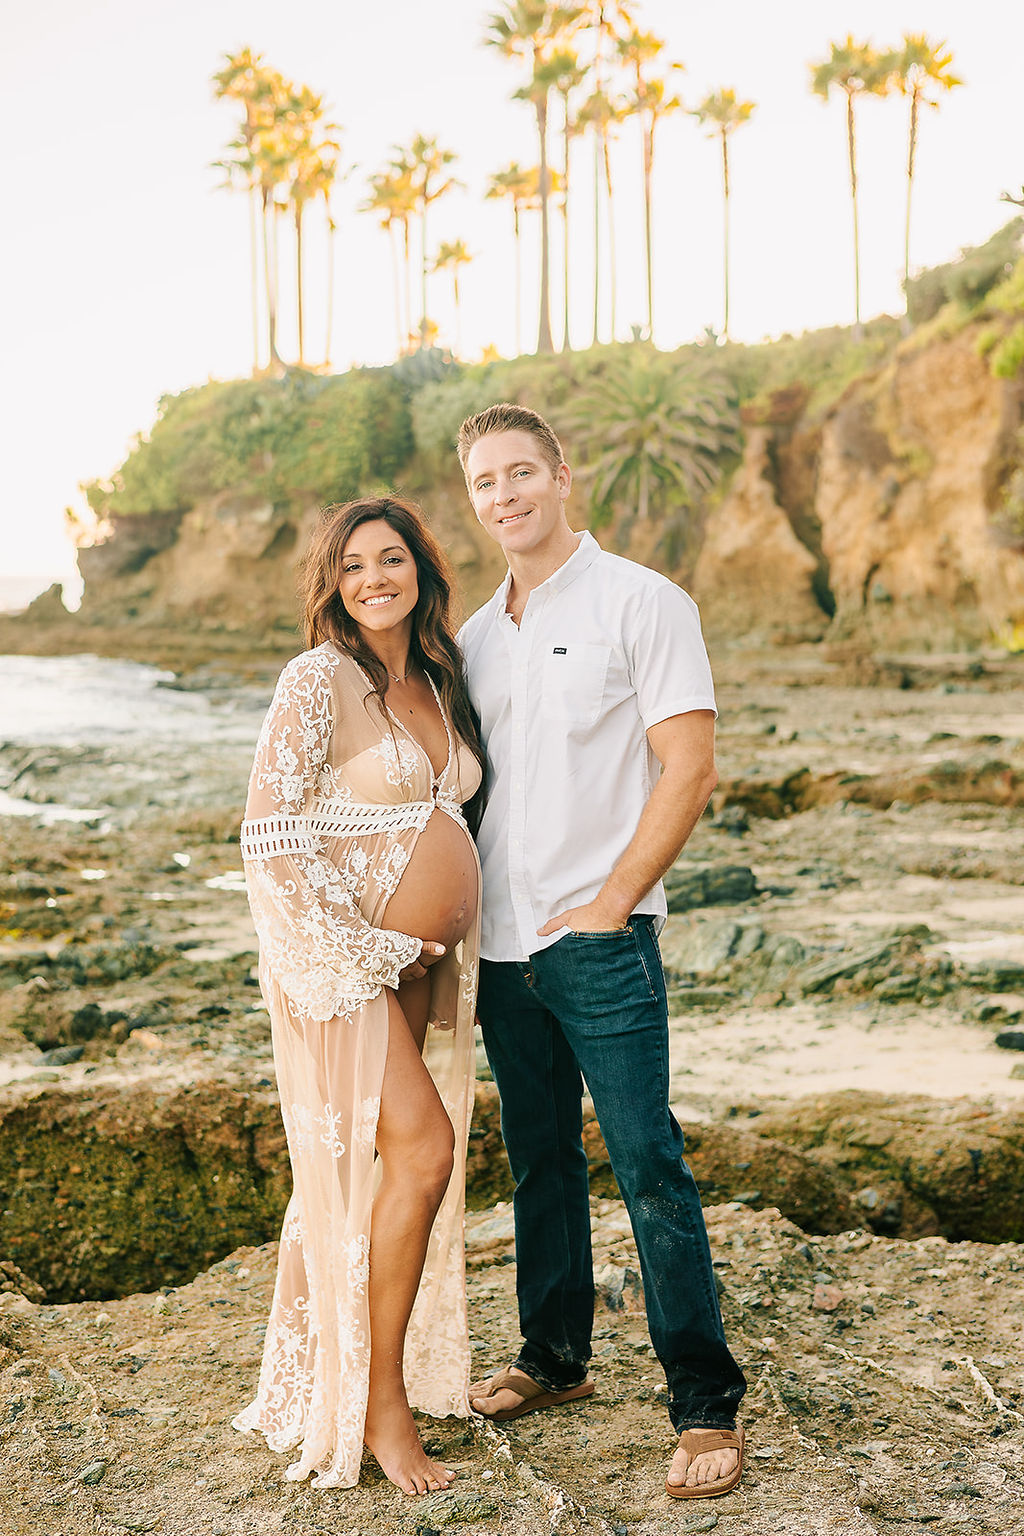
{"points": [[884, 518], [232, 561], [894, 517]]}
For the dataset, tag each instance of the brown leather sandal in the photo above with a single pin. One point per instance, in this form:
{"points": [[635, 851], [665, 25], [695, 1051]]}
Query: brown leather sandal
{"points": [[534, 1396], [696, 1442]]}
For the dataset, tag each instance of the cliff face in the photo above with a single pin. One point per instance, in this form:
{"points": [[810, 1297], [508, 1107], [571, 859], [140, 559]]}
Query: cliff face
{"points": [[232, 562], [879, 520]]}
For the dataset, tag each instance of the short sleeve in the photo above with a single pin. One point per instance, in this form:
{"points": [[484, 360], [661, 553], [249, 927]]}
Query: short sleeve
{"points": [[668, 661]]}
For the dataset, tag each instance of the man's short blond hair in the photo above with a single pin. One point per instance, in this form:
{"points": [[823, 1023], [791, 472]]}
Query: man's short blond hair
{"points": [[506, 417]]}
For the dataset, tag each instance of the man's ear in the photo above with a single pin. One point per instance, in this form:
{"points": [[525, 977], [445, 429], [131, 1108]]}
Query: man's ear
{"points": [[564, 478]]}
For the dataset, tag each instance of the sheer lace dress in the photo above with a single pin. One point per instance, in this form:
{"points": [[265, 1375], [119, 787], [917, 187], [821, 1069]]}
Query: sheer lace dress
{"points": [[339, 794]]}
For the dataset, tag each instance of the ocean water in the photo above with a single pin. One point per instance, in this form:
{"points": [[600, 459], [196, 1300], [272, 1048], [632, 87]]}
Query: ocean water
{"points": [[73, 701], [131, 714]]}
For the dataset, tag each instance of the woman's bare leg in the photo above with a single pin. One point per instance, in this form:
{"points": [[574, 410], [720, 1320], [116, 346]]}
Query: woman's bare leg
{"points": [[415, 1142]]}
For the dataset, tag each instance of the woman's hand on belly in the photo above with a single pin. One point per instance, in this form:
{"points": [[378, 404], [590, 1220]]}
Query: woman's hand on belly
{"points": [[429, 955]]}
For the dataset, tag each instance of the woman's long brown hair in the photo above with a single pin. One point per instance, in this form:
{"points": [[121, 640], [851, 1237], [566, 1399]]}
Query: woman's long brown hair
{"points": [[432, 645]]}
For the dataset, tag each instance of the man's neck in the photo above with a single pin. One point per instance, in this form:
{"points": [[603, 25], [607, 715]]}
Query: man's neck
{"points": [[532, 570]]}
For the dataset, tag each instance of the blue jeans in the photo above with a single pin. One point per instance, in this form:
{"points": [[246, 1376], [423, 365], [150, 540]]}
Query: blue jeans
{"points": [[593, 1006]]}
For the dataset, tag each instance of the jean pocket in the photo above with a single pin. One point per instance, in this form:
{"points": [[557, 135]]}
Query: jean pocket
{"points": [[607, 974], [600, 933]]}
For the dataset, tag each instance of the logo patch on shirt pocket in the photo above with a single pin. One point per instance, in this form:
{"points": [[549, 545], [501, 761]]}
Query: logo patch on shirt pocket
{"points": [[573, 682]]}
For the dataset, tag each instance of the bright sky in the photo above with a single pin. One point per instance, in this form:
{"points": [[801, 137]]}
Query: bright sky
{"points": [[125, 270]]}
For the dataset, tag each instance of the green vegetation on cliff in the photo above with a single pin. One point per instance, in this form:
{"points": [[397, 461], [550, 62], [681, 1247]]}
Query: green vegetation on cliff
{"points": [[653, 435], [308, 439], [294, 439]]}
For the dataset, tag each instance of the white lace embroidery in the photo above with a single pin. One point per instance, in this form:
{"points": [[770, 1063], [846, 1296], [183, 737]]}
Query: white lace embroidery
{"points": [[399, 756], [365, 1131], [338, 797], [330, 1132], [298, 1124]]}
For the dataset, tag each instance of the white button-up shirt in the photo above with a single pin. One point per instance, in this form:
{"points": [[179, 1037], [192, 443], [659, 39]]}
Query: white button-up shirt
{"points": [[605, 649]]}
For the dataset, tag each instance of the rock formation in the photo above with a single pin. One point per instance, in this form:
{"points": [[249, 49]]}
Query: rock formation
{"points": [[897, 489]]}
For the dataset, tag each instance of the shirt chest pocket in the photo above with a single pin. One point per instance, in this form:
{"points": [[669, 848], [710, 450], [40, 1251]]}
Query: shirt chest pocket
{"points": [[573, 680]]}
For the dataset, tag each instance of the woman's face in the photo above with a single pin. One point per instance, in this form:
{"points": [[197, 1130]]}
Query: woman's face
{"points": [[378, 581]]}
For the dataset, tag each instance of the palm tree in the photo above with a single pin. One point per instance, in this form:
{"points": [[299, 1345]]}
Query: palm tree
{"points": [[426, 163], [722, 109], [650, 101], [603, 112], [321, 180], [919, 68], [393, 200], [649, 431], [568, 74], [530, 30], [855, 69], [312, 160], [246, 79], [522, 187], [451, 255], [607, 20]]}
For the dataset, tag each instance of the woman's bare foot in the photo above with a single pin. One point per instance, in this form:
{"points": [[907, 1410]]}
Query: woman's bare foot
{"points": [[390, 1435]]}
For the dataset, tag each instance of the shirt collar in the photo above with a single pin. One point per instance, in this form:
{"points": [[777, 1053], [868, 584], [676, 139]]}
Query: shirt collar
{"points": [[583, 556]]}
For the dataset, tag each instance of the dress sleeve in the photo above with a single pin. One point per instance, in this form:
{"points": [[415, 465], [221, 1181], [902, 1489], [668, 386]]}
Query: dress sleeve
{"points": [[321, 951]]}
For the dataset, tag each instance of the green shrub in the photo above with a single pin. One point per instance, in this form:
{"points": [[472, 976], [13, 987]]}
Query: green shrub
{"points": [[439, 409], [824, 362], [967, 280], [297, 438], [1008, 296], [987, 340], [1007, 358]]}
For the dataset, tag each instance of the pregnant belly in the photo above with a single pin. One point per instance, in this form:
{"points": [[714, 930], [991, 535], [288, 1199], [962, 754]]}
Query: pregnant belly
{"points": [[438, 893]]}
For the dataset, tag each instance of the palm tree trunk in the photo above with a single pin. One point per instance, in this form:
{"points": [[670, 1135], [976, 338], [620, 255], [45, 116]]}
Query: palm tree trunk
{"points": [[725, 252], [851, 146], [612, 264], [544, 342], [911, 155], [648, 161], [408, 284], [298, 277], [331, 227], [519, 275], [425, 199], [597, 232], [397, 284], [254, 273], [270, 277], [566, 347], [644, 496], [423, 270]]}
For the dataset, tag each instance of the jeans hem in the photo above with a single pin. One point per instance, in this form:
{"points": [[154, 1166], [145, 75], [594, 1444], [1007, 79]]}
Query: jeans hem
{"points": [[544, 1378], [700, 1421]]}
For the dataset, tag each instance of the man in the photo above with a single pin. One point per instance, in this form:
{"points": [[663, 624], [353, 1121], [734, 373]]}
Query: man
{"points": [[597, 712]]}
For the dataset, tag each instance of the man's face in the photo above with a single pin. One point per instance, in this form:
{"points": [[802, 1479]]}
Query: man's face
{"points": [[515, 496]]}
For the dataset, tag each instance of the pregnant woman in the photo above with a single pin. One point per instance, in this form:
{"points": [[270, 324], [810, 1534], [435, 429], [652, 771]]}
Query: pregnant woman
{"points": [[364, 885]]}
